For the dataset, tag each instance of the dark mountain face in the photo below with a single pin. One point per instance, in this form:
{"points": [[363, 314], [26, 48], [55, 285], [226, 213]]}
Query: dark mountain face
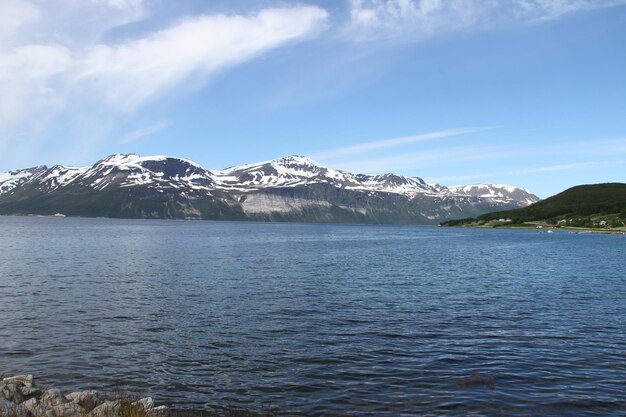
{"points": [[173, 168], [287, 189]]}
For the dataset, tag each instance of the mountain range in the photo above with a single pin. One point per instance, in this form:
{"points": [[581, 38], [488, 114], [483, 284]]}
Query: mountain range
{"points": [[293, 188]]}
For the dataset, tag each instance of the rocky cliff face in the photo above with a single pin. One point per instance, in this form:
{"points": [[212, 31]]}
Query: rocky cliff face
{"points": [[293, 188]]}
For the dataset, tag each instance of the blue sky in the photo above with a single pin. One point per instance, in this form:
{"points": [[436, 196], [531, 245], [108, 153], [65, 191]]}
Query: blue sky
{"points": [[524, 92]]}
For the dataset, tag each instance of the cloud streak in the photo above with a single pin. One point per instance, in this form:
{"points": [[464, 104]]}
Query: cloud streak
{"points": [[535, 170], [516, 154], [142, 132], [411, 20], [390, 143], [425, 158]]}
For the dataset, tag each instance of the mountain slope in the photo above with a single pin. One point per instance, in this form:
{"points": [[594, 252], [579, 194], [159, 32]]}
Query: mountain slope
{"points": [[293, 188]]}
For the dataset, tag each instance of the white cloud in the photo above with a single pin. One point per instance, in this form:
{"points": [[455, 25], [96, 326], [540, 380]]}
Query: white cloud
{"points": [[144, 131], [419, 19], [388, 143], [40, 42], [29, 84], [54, 55], [14, 14], [130, 74]]}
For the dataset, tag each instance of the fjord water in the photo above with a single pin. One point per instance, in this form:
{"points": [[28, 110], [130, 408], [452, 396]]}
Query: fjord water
{"points": [[318, 319]]}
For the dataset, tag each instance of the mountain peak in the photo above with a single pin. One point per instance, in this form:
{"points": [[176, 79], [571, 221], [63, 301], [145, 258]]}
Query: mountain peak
{"points": [[133, 159], [119, 158], [296, 160]]}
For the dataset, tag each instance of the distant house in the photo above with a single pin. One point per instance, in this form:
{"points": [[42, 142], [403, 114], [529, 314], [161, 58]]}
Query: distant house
{"points": [[539, 227], [562, 221], [600, 222]]}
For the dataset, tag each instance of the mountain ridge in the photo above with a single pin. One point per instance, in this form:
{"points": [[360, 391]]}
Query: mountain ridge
{"points": [[291, 188]]}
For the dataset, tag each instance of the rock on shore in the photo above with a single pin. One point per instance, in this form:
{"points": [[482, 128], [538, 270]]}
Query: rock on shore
{"points": [[19, 397]]}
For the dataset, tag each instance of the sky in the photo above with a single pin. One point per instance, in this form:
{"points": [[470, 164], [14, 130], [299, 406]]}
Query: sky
{"points": [[530, 93]]}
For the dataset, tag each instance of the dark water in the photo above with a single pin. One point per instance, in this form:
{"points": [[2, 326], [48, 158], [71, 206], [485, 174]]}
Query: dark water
{"points": [[319, 319]]}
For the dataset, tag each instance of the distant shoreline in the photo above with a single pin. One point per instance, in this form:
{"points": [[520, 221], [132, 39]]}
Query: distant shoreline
{"points": [[576, 230], [243, 221]]}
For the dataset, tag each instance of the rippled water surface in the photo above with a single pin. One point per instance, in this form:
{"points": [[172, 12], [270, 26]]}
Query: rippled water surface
{"points": [[319, 319]]}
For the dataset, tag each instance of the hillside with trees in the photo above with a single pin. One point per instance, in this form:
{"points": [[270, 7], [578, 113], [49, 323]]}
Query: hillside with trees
{"points": [[595, 205]]}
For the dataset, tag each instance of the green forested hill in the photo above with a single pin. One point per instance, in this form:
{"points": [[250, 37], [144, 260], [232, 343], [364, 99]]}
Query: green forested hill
{"points": [[580, 202]]}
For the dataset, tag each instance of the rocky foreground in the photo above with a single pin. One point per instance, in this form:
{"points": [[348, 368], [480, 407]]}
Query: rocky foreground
{"points": [[19, 397]]}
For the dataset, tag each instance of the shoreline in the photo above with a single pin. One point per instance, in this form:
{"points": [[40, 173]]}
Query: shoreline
{"points": [[21, 397], [547, 229], [544, 228]]}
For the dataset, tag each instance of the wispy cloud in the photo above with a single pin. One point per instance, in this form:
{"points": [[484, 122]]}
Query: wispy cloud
{"points": [[450, 156], [53, 54], [455, 178], [420, 19], [41, 44], [525, 171], [552, 168], [145, 131], [390, 143], [129, 74], [421, 160]]}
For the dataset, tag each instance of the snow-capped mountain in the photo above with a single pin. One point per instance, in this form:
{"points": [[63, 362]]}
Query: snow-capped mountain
{"points": [[496, 191], [158, 172], [291, 171], [293, 188], [294, 171]]}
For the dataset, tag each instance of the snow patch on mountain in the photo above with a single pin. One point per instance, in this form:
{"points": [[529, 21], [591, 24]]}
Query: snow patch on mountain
{"points": [[135, 161], [392, 183], [59, 176], [13, 179]]}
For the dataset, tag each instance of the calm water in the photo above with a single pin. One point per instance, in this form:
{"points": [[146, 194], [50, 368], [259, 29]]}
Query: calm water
{"points": [[319, 319]]}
